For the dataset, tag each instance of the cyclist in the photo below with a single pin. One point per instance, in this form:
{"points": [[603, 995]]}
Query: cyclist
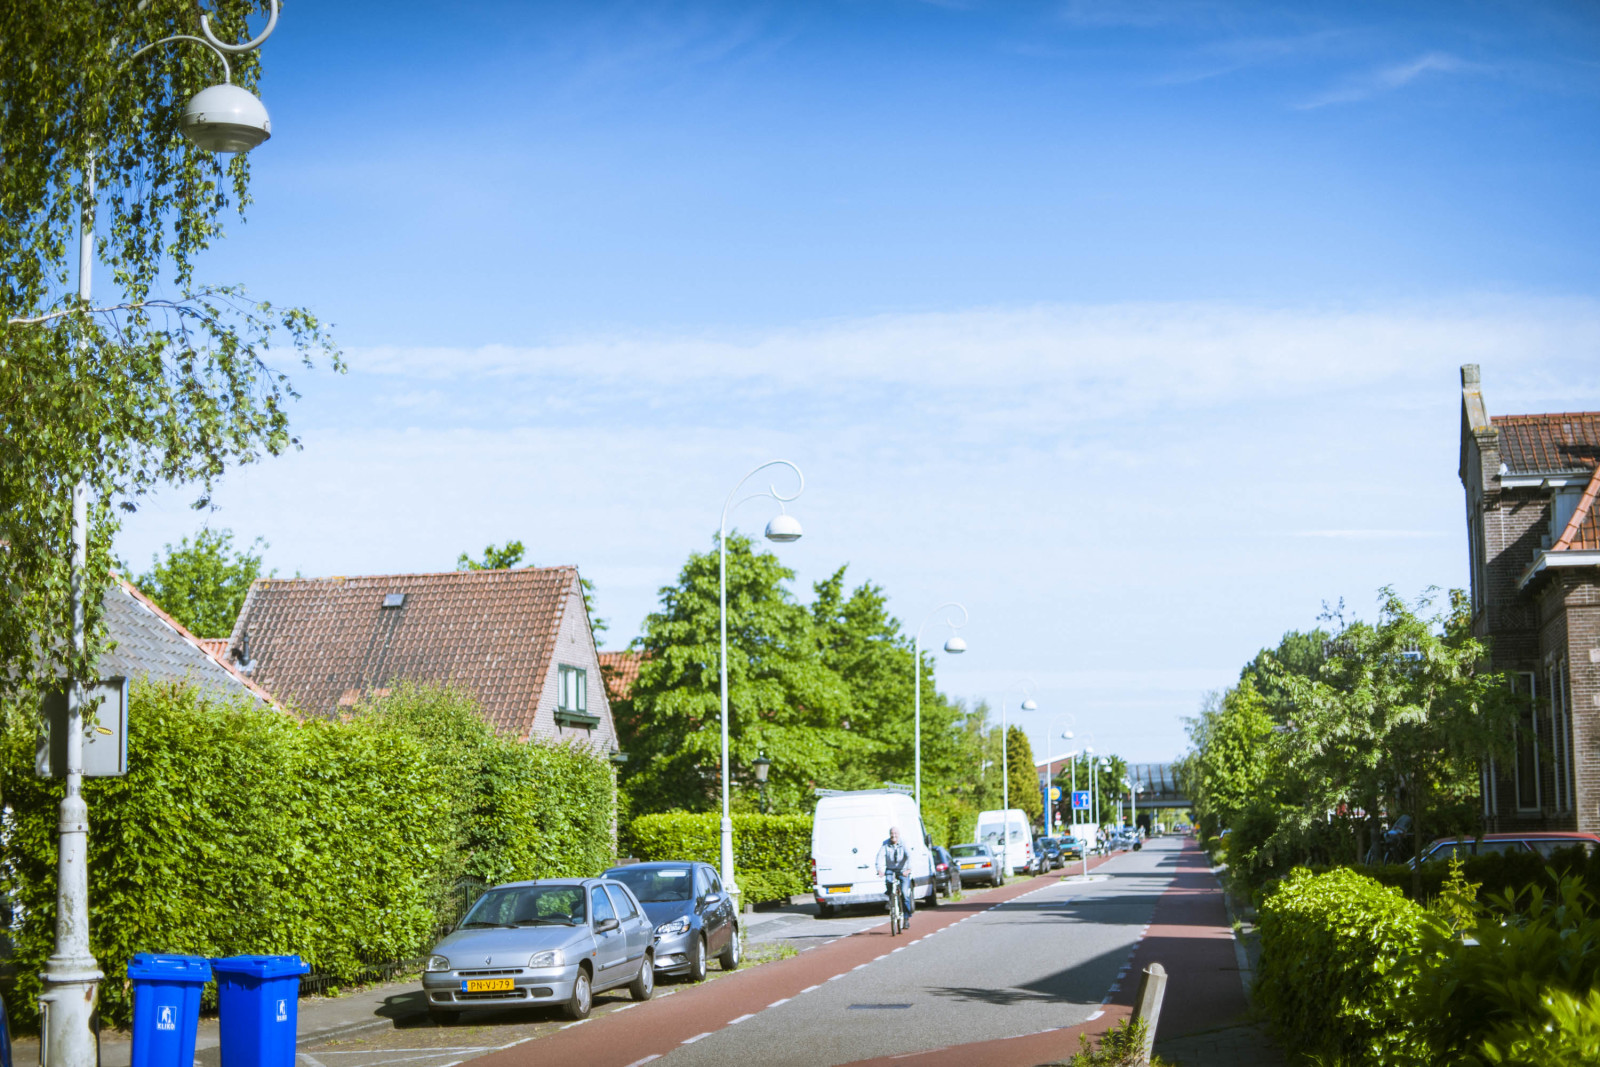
{"points": [[892, 859]]}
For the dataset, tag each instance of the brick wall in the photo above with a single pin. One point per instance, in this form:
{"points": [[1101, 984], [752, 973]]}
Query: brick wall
{"points": [[1583, 680]]}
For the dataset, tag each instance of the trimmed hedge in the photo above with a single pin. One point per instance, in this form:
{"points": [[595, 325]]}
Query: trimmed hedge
{"points": [[1333, 978], [242, 830], [771, 853], [1497, 873]]}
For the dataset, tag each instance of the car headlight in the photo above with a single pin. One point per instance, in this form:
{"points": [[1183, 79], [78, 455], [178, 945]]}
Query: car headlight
{"points": [[674, 926], [438, 963], [552, 958]]}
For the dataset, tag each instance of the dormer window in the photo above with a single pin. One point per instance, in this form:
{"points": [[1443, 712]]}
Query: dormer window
{"points": [[572, 698], [1563, 503]]}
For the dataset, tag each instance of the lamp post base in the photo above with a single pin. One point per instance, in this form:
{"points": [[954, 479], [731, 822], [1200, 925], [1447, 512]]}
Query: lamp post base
{"points": [[67, 1031]]}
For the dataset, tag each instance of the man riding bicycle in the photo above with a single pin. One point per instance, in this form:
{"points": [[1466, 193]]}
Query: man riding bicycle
{"points": [[892, 860]]}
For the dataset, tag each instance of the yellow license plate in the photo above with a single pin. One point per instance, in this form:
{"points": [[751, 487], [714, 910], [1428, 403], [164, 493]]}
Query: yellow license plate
{"points": [[969, 866], [838, 889], [487, 985]]}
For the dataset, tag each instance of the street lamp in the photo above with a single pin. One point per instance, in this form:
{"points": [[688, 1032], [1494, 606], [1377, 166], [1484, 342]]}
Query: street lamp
{"points": [[761, 764], [226, 118], [782, 529], [1026, 685], [953, 645]]}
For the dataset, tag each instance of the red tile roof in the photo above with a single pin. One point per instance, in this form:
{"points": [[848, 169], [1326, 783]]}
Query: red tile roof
{"points": [[322, 643], [621, 670], [1548, 443], [215, 646], [1583, 529]]}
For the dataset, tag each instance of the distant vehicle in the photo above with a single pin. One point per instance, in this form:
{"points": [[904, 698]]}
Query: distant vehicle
{"points": [[554, 941], [1008, 834], [977, 862], [692, 917], [945, 874], [1071, 848], [846, 833], [1545, 842], [1048, 850]]}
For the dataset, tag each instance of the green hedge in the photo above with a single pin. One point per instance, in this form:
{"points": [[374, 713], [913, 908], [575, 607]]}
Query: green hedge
{"points": [[243, 830], [1333, 978], [1497, 873], [771, 853]]}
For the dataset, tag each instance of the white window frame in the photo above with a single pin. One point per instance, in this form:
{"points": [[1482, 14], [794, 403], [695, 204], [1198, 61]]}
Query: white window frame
{"points": [[1560, 734], [1530, 688], [572, 689]]}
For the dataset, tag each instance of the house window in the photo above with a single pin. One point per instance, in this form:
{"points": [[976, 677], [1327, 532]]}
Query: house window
{"points": [[572, 690], [1527, 741], [1560, 735], [1564, 504]]}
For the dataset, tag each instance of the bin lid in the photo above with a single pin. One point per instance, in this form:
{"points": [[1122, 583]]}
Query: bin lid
{"points": [[261, 966], [155, 965]]}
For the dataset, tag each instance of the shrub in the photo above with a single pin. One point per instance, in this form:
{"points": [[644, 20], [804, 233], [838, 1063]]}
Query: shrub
{"points": [[241, 830], [1331, 978], [771, 853]]}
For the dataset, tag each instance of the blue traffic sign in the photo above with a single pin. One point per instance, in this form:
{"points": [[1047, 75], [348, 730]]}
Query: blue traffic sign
{"points": [[1080, 800]]}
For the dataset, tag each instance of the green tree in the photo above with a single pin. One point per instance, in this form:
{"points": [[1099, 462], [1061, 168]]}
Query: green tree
{"points": [[203, 584], [1024, 775], [1230, 767], [136, 390], [510, 556], [783, 699]]}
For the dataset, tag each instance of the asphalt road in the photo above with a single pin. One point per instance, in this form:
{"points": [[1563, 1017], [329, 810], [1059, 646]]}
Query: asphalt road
{"points": [[1034, 955]]}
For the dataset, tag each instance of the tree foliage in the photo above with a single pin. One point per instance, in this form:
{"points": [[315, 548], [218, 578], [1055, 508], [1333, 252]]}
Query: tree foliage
{"points": [[1025, 794], [162, 380], [203, 585]]}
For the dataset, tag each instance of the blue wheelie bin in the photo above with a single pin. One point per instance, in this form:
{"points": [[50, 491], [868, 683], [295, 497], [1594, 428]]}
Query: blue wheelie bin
{"points": [[258, 1009], [166, 1007]]}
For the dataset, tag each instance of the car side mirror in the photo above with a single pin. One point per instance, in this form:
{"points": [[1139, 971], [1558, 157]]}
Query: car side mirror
{"points": [[711, 898], [605, 926]]}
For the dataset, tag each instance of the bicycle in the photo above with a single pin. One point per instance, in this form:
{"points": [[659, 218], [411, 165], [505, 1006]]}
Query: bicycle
{"points": [[897, 911]]}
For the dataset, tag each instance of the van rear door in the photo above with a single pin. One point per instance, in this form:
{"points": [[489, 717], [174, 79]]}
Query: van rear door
{"points": [[844, 855]]}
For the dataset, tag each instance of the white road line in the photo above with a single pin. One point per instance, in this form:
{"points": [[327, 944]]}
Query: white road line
{"points": [[836, 977], [857, 967], [569, 1026], [809, 988], [647, 1059], [775, 1003], [363, 1052], [1095, 1016], [624, 1007], [740, 1019], [310, 1059], [696, 1037], [902, 948], [886, 955]]}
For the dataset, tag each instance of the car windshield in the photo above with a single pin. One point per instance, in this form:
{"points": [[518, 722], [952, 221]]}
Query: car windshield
{"points": [[656, 885], [529, 905], [966, 850]]}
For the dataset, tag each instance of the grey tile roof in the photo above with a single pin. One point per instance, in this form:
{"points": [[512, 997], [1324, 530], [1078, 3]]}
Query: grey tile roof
{"points": [[1546, 444], [149, 643]]}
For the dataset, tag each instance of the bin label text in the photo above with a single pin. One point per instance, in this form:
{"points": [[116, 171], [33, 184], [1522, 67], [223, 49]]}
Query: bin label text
{"points": [[283, 1011], [165, 1019]]}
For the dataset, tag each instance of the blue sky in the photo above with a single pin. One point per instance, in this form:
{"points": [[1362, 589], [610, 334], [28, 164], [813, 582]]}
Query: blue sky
{"points": [[1133, 326]]}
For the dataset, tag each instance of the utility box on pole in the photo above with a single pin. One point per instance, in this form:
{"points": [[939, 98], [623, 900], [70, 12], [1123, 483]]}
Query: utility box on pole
{"points": [[105, 743]]}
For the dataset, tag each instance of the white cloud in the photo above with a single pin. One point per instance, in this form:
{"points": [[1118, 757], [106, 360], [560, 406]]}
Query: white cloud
{"points": [[1388, 79]]}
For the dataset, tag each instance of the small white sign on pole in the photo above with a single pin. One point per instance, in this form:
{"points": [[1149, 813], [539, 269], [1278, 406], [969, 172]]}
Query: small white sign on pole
{"points": [[105, 732]]}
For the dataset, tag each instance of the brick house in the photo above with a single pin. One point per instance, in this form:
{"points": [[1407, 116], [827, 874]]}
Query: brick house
{"points": [[518, 641], [1533, 531]]}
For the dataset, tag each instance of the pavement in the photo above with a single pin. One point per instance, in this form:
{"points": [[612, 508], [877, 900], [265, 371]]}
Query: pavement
{"points": [[1008, 976]]}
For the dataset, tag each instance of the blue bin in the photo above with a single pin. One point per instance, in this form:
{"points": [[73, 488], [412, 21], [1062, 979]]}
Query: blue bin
{"points": [[258, 1008], [166, 1007]]}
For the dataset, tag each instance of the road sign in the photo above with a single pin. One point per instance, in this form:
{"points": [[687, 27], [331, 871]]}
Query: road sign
{"points": [[1055, 793], [1080, 800]]}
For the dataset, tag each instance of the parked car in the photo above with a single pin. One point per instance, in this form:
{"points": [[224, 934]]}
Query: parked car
{"points": [[555, 941], [1545, 842], [945, 873], [1008, 834], [692, 917], [1048, 849], [1071, 848], [977, 862]]}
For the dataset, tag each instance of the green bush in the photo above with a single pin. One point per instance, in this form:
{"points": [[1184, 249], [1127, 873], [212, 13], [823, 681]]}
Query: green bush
{"points": [[1497, 873], [771, 853], [242, 830], [1332, 979]]}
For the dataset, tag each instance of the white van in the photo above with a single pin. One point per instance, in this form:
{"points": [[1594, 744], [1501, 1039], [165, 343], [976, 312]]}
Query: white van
{"points": [[846, 833], [1008, 832]]}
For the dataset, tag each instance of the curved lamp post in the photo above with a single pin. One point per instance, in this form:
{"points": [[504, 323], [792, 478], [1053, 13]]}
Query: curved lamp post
{"points": [[953, 645], [221, 118], [783, 529], [1026, 685]]}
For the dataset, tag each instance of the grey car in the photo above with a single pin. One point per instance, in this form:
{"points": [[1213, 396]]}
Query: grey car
{"points": [[550, 942], [693, 917], [977, 862]]}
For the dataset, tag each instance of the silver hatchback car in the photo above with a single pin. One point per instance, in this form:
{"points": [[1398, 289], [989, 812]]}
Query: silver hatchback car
{"points": [[550, 942]]}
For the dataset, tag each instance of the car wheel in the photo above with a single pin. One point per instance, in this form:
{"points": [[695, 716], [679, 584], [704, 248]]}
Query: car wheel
{"points": [[732, 952], [933, 895], [824, 911], [697, 959], [443, 1018], [582, 998], [643, 987]]}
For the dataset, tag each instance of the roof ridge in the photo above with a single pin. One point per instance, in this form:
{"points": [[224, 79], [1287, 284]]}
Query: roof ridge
{"points": [[1548, 415], [418, 574], [1580, 514]]}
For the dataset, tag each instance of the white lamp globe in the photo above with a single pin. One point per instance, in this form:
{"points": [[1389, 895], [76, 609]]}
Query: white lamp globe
{"points": [[783, 528], [225, 118], [955, 645], [1029, 705]]}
